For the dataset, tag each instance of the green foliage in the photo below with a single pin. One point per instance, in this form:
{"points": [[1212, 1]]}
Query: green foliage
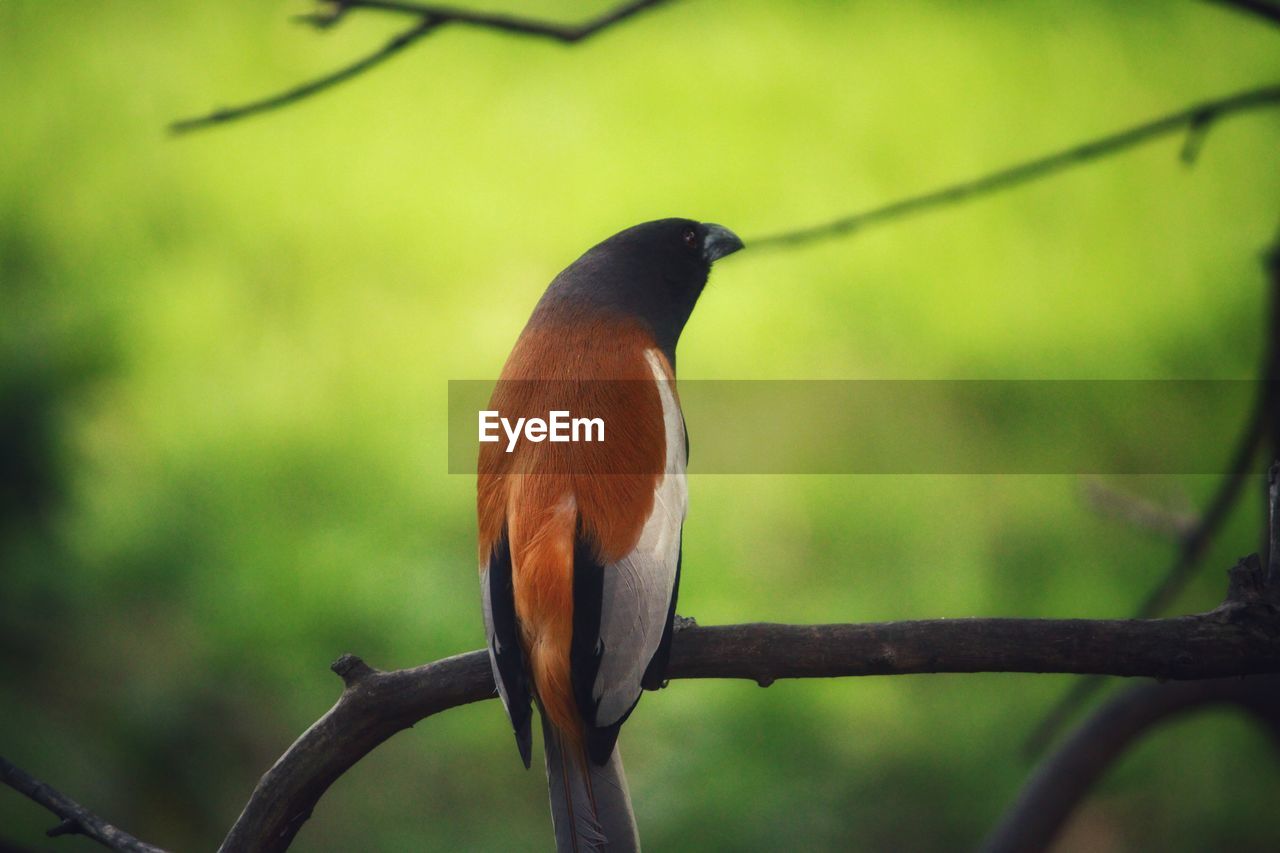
{"points": [[225, 360]]}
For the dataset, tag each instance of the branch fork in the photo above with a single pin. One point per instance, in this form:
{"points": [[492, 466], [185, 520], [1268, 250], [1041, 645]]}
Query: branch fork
{"points": [[1239, 638]]}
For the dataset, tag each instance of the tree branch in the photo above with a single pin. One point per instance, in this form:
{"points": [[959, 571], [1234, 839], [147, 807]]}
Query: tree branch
{"points": [[1138, 511], [1273, 525], [567, 33], [1195, 544], [1241, 637], [1270, 547], [311, 87], [430, 17], [1262, 8], [1196, 119], [76, 819], [1064, 779]]}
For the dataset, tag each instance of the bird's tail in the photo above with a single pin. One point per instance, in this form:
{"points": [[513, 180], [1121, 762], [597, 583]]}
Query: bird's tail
{"points": [[590, 804]]}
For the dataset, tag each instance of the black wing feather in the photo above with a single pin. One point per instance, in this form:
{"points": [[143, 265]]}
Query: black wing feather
{"points": [[587, 649], [506, 648]]}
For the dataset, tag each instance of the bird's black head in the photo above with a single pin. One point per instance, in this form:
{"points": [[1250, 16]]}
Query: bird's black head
{"points": [[654, 272]]}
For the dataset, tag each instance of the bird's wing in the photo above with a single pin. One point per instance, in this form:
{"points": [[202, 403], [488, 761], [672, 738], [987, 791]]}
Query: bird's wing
{"points": [[623, 611], [502, 639]]}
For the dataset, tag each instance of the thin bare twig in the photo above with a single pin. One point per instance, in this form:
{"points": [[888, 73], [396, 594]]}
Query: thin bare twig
{"points": [[1108, 500], [76, 819], [1192, 548], [311, 87], [1273, 525], [430, 17], [1190, 552], [1241, 637], [567, 33], [1197, 118]]}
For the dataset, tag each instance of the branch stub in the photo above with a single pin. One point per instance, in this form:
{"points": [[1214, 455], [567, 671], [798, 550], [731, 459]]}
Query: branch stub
{"points": [[352, 670]]}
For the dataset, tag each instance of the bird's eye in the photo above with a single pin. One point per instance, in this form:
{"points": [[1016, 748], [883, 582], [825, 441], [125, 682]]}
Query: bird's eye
{"points": [[690, 238]]}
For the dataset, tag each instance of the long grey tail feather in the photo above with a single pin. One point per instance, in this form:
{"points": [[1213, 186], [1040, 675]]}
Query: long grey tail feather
{"points": [[591, 810]]}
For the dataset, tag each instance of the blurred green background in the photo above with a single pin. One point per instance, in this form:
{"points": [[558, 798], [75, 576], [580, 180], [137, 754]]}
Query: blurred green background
{"points": [[225, 364]]}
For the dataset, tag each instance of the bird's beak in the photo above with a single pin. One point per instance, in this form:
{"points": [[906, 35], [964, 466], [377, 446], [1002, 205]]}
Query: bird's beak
{"points": [[720, 241]]}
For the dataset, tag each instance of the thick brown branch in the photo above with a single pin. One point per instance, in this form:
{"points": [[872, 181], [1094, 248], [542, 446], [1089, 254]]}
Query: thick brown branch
{"points": [[373, 706], [1196, 118], [76, 819], [430, 17], [1240, 638], [1064, 779]]}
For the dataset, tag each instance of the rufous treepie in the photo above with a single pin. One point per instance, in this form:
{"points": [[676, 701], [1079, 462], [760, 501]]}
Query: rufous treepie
{"points": [[580, 542]]}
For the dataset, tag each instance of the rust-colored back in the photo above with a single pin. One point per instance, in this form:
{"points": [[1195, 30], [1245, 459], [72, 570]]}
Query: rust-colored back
{"points": [[545, 492]]}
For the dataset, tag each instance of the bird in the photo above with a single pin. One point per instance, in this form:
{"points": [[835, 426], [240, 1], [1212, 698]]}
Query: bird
{"points": [[580, 543]]}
